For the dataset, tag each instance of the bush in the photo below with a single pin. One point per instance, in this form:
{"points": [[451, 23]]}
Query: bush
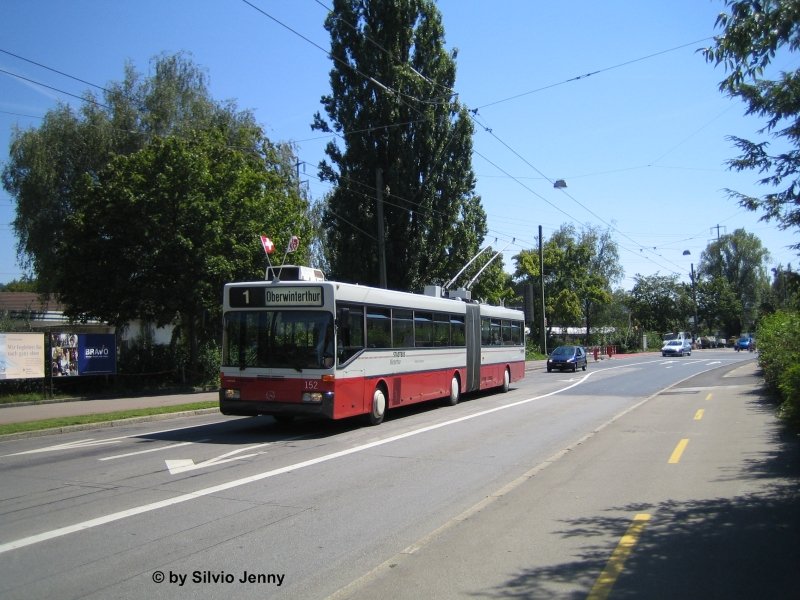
{"points": [[779, 357], [789, 385]]}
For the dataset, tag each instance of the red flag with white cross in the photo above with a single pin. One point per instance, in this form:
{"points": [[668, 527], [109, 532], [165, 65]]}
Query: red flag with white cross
{"points": [[269, 247]]}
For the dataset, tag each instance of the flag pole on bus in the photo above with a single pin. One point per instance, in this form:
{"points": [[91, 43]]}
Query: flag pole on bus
{"points": [[269, 248]]}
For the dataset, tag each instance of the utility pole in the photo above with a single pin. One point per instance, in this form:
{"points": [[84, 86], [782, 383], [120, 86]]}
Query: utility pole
{"points": [[543, 335], [379, 217], [695, 329]]}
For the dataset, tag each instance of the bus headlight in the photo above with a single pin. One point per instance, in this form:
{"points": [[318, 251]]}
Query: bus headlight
{"points": [[312, 397], [231, 394]]}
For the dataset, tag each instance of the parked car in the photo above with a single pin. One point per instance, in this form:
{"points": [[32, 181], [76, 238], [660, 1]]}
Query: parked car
{"points": [[745, 343], [567, 358], [708, 341], [676, 348]]}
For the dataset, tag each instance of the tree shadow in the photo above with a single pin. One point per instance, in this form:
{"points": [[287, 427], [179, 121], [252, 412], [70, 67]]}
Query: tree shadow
{"points": [[744, 546]]}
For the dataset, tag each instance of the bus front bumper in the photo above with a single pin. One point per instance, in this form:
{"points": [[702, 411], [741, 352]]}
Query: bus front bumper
{"points": [[252, 408]]}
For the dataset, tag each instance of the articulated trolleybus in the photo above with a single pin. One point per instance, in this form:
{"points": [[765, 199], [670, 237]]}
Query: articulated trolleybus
{"points": [[306, 346]]}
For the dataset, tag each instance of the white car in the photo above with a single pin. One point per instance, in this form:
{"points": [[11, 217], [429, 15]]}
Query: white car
{"points": [[677, 348]]}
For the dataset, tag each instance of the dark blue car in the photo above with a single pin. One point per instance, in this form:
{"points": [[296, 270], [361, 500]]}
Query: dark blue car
{"points": [[567, 358], [744, 343]]}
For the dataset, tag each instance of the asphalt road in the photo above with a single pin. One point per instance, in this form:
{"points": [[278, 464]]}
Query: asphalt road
{"points": [[520, 495]]}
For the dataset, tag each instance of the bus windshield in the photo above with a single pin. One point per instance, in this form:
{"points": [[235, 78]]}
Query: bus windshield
{"points": [[279, 339]]}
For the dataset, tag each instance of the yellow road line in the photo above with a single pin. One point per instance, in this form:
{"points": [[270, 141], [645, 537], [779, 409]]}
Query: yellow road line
{"points": [[699, 414], [675, 458], [709, 396], [602, 587]]}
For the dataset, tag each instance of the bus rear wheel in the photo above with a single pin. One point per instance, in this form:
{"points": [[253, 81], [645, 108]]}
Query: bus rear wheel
{"points": [[506, 380], [455, 391], [378, 410]]}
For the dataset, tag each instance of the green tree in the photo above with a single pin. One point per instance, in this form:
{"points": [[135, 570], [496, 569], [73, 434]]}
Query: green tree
{"points": [[616, 315], [165, 227], [19, 285], [43, 167], [754, 34], [157, 194], [718, 306], [404, 135], [603, 269], [659, 303], [785, 289], [579, 269], [739, 260]]}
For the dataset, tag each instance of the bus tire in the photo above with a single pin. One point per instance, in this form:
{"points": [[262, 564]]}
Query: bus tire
{"points": [[506, 380], [378, 409], [455, 391]]}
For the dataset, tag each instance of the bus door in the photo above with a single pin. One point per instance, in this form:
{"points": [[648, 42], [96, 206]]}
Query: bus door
{"points": [[353, 391], [473, 334]]}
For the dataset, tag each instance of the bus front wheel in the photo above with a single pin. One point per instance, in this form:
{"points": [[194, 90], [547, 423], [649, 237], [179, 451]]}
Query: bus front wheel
{"points": [[506, 380], [378, 410]]}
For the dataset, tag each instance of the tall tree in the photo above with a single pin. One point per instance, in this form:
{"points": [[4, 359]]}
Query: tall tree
{"points": [[659, 303], [404, 137], [579, 270], [718, 306], [603, 269], [754, 33], [739, 260], [157, 194]]}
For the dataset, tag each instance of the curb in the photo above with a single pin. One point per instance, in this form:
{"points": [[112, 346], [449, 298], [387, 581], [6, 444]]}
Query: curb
{"points": [[105, 424]]}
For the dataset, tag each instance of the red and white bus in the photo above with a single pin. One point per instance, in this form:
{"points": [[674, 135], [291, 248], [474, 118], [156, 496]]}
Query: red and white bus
{"points": [[313, 347]]}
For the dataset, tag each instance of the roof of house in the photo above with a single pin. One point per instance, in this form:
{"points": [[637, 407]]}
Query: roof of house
{"points": [[29, 302]]}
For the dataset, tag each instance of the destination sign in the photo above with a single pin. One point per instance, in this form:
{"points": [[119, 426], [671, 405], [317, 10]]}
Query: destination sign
{"points": [[264, 296]]}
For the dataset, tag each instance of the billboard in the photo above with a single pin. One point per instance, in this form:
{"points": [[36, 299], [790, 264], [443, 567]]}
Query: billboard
{"points": [[83, 354], [21, 355]]}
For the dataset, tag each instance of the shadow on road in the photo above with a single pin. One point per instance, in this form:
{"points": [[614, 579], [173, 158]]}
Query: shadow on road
{"points": [[752, 540]]}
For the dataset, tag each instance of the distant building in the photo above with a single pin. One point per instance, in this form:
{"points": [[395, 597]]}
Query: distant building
{"points": [[40, 313]]}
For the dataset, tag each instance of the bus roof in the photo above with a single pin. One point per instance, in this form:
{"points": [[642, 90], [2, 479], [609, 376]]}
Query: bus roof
{"points": [[351, 292]]}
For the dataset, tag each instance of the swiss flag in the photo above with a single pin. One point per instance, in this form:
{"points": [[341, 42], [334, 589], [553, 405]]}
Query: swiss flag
{"points": [[269, 247]]}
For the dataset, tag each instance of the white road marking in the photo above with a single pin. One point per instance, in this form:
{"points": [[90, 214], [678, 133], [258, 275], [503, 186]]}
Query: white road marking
{"points": [[181, 465], [92, 442], [144, 508], [68, 446], [149, 450]]}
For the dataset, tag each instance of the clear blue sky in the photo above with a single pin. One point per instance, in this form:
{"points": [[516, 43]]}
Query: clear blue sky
{"points": [[610, 96]]}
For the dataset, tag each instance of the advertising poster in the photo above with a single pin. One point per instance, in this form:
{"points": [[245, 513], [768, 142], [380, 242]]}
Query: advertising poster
{"points": [[64, 354], [21, 355], [75, 354], [97, 354]]}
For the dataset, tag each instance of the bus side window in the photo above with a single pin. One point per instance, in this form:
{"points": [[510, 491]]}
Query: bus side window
{"points": [[402, 328], [423, 329], [379, 327], [457, 330]]}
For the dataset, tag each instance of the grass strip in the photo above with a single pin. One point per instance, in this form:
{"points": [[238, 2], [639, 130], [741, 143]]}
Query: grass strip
{"points": [[102, 417]]}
